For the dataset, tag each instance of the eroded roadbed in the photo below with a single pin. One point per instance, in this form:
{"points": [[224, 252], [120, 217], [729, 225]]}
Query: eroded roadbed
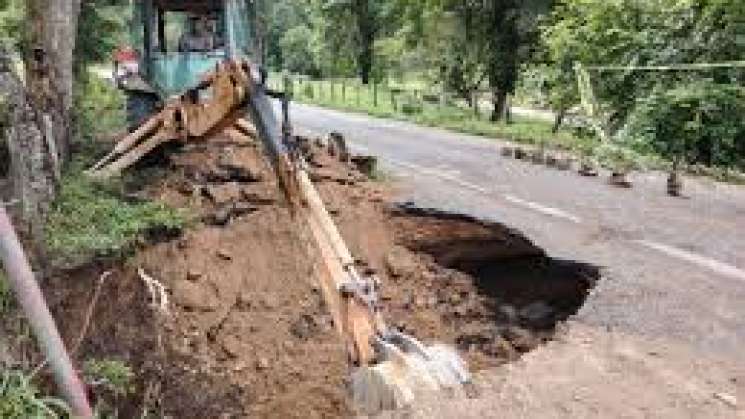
{"points": [[247, 333]]}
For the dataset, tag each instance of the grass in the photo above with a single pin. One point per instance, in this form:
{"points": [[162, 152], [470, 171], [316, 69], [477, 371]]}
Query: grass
{"points": [[91, 219], [20, 399], [94, 218], [407, 105]]}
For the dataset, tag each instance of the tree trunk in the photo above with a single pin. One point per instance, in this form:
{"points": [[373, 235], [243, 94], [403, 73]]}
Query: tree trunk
{"points": [[500, 110], [366, 33], [558, 120], [51, 26], [31, 167], [39, 131]]}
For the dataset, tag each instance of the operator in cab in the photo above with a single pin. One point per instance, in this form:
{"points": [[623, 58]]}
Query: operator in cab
{"points": [[200, 37]]}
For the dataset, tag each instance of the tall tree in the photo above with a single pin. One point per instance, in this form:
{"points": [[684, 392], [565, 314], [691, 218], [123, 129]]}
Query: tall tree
{"points": [[39, 129]]}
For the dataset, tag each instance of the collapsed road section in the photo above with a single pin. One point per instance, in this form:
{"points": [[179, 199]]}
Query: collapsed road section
{"points": [[247, 331]]}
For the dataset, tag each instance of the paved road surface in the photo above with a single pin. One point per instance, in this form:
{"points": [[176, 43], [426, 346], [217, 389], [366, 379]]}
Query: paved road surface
{"points": [[675, 267]]}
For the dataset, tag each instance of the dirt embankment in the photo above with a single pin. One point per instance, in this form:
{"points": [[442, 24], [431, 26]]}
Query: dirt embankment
{"points": [[247, 334]]}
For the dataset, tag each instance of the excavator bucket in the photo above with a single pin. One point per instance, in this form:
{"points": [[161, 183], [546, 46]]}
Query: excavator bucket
{"points": [[408, 371]]}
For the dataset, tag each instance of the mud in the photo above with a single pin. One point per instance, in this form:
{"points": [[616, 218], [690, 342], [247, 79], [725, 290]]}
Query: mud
{"points": [[247, 334]]}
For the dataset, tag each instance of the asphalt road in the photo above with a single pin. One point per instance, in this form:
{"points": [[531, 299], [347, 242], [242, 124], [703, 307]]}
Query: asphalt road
{"points": [[674, 267]]}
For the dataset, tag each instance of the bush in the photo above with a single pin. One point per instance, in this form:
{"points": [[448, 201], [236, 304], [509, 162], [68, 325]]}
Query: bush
{"points": [[701, 122]]}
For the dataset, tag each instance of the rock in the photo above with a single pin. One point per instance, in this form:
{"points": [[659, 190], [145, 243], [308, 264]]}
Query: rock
{"points": [[455, 298], [258, 197], [262, 364], [587, 169], [245, 170], [242, 208], [399, 262], [537, 157], [304, 145], [728, 399], [214, 174], [367, 165], [522, 339], [193, 275], [225, 213], [619, 179], [245, 300], [564, 163], [184, 187], [500, 347], [508, 151], [305, 327], [231, 345], [536, 311], [223, 194], [461, 310], [340, 146], [674, 184], [194, 296], [326, 174], [221, 216], [224, 254], [269, 302], [509, 312]]}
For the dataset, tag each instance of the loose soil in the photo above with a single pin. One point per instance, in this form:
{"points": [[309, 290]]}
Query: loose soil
{"points": [[247, 333]]}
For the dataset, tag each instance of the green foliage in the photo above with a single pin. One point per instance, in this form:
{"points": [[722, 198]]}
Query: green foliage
{"points": [[111, 375], [100, 111], [698, 122], [297, 56], [93, 219], [19, 399], [453, 117], [102, 26], [617, 158], [633, 32], [11, 20], [6, 294], [90, 218]]}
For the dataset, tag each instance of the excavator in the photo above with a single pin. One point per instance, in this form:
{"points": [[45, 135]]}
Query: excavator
{"points": [[196, 75]]}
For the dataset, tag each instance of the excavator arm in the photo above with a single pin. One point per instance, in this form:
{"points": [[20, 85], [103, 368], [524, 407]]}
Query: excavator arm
{"points": [[390, 369]]}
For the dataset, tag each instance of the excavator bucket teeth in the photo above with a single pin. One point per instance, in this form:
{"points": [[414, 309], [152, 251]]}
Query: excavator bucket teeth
{"points": [[407, 375]]}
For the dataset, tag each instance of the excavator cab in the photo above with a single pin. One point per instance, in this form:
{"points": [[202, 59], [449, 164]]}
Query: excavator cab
{"points": [[176, 42]]}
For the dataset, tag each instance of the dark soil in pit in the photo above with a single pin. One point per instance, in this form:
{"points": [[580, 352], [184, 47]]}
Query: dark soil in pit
{"points": [[247, 333]]}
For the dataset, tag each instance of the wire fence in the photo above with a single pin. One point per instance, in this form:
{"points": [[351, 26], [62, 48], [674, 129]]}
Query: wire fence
{"points": [[381, 97]]}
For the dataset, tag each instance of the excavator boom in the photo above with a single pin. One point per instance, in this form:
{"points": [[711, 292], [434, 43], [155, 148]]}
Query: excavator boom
{"points": [[390, 369]]}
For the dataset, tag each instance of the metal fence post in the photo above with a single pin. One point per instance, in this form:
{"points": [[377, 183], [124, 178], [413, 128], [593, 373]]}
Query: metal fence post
{"points": [[31, 300]]}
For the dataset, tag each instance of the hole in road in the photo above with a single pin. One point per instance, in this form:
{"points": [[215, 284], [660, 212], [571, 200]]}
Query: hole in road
{"points": [[500, 294]]}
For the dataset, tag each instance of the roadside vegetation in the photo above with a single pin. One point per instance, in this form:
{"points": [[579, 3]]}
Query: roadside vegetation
{"points": [[400, 102], [455, 65], [91, 218]]}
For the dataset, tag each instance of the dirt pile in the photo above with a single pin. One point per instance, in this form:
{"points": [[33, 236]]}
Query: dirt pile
{"points": [[247, 333]]}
